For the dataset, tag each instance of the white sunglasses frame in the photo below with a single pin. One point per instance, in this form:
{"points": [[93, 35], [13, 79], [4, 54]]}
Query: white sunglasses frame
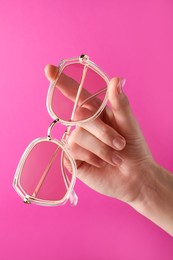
{"points": [[83, 59], [70, 194]]}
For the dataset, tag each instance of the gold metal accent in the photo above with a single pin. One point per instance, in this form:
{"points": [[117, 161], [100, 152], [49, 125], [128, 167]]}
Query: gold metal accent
{"points": [[50, 128], [26, 200], [83, 57]]}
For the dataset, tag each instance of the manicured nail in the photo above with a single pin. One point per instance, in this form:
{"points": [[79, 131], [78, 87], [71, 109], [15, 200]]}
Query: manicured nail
{"points": [[116, 159], [121, 84], [119, 142]]}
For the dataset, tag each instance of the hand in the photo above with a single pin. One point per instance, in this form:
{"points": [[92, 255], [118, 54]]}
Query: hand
{"points": [[110, 151], [113, 158]]}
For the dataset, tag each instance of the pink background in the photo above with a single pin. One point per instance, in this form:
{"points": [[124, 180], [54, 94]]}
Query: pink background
{"points": [[133, 39]]}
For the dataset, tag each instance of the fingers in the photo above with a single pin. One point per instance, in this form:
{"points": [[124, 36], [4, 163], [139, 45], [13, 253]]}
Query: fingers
{"points": [[125, 120], [85, 146], [65, 84], [81, 154], [68, 86], [51, 72], [104, 132]]}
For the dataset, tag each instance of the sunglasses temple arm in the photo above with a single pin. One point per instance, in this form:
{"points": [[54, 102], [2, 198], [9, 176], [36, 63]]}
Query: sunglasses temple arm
{"points": [[45, 173], [79, 90], [73, 197], [93, 96], [48, 165]]}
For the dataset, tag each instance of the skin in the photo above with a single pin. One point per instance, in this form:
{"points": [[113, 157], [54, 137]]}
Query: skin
{"points": [[122, 166]]}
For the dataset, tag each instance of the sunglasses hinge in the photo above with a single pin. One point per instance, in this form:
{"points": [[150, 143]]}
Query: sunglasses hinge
{"points": [[26, 200], [83, 57]]}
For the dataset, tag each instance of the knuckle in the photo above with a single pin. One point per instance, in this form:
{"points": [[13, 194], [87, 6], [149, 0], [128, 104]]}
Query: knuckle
{"points": [[104, 132], [72, 146], [102, 152], [88, 157], [78, 132], [75, 135]]}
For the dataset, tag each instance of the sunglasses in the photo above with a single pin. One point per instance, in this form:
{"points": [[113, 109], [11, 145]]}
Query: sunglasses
{"points": [[46, 173]]}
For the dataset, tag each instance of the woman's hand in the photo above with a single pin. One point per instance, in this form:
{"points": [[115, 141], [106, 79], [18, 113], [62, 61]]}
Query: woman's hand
{"points": [[113, 158], [110, 151]]}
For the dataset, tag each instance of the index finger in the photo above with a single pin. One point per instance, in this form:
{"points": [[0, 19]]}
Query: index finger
{"points": [[74, 89], [67, 85]]}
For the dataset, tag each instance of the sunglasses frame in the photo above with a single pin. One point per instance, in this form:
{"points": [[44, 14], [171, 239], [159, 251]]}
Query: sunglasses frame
{"points": [[70, 194], [83, 59]]}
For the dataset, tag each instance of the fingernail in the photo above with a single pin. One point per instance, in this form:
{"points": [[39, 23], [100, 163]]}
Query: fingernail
{"points": [[116, 159], [121, 84], [119, 142]]}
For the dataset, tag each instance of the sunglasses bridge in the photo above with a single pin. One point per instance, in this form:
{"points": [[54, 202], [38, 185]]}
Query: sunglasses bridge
{"points": [[49, 135], [65, 134]]}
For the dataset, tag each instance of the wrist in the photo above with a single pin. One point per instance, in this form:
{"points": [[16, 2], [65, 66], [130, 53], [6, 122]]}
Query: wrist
{"points": [[147, 184], [155, 200]]}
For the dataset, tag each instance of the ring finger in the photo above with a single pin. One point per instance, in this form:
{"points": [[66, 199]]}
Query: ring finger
{"points": [[92, 147]]}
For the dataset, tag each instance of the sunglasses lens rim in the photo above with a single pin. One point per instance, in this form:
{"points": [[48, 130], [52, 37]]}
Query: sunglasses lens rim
{"points": [[17, 178], [52, 86]]}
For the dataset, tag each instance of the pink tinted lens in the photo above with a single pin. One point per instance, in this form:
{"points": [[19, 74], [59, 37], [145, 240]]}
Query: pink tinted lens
{"points": [[42, 176], [79, 83]]}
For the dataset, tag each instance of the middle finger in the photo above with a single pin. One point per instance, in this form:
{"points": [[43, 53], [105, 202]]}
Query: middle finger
{"points": [[91, 143]]}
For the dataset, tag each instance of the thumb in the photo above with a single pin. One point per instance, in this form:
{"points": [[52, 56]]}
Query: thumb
{"points": [[125, 120]]}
